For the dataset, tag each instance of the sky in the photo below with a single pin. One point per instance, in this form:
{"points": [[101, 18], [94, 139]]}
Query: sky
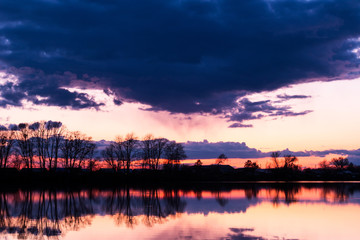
{"points": [[262, 74]]}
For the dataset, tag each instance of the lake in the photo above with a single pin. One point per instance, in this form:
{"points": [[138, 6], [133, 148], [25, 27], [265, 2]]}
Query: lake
{"points": [[238, 211]]}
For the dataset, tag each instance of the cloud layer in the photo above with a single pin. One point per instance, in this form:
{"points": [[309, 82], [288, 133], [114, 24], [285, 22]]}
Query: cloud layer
{"points": [[182, 56], [207, 150]]}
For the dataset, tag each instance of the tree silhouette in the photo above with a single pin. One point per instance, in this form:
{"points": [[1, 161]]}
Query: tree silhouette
{"points": [[158, 152], [222, 158], [340, 162], [93, 165], [25, 142], [174, 152], [130, 145], [275, 159], [7, 140], [114, 156], [250, 164], [324, 164], [75, 148], [290, 162], [198, 163], [55, 136], [147, 146]]}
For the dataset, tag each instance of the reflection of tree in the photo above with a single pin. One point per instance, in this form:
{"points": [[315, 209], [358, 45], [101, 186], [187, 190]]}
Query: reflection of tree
{"points": [[289, 191], [149, 207], [152, 207], [114, 202], [119, 205], [77, 212], [198, 194], [50, 213], [220, 199], [26, 210], [42, 213], [130, 220], [251, 192], [339, 193], [5, 217], [173, 202]]}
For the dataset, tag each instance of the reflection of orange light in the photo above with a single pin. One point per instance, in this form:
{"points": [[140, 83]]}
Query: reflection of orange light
{"points": [[297, 221], [303, 217], [306, 194]]}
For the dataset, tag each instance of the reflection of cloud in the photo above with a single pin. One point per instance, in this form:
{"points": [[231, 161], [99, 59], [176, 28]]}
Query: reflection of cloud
{"points": [[241, 234], [51, 212]]}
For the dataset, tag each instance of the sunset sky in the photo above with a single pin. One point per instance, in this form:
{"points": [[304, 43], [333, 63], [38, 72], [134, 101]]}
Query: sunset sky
{"points": [[260, 74]]}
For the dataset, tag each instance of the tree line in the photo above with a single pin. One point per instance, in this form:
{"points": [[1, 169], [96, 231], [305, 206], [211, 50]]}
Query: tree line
{"points": [[48, 145], [290, 162]]}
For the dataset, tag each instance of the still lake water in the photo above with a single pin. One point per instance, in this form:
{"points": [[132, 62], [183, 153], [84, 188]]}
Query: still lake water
{"points": [[238, 211]]}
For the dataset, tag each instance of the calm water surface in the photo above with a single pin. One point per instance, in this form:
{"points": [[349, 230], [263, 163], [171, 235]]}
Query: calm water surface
{"points": [[245, 211]]}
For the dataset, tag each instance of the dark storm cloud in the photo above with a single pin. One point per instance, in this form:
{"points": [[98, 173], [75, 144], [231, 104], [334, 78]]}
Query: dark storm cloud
{"points": [[39, 88], [181, 56]]}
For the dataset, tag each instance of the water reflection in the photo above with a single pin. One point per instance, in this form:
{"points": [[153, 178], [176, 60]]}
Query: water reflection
{"points": [[52, 213]]}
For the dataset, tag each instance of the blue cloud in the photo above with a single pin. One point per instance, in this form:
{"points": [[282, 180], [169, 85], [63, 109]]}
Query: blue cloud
{"points": [[189, 56]]}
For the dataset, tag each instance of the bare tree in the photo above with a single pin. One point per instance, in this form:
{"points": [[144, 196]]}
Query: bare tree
{"points": [[76, 148], [40, 137], [147, 147], [109, 156], [222, 158], [174, 152], [93, 165], [114, 154], [69, 148], [87, 152], [250, 164], [324, 164], [16, 161], [275, 159], [198, 163], [130, 145], [290, 162], [340, 162], [7, 139], [55, 136], [152, 151], [158, 151], [25, 142]]}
